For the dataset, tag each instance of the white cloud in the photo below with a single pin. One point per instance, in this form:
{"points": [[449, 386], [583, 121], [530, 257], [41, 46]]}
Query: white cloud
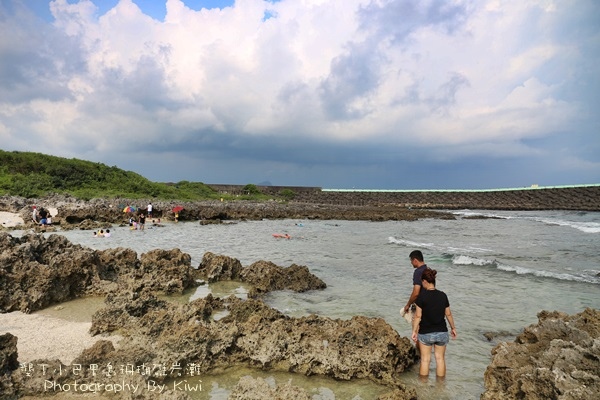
{"points": [[467, 75]]}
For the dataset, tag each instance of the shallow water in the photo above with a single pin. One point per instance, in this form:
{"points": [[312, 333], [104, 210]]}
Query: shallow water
{"points": [[498, 274]]}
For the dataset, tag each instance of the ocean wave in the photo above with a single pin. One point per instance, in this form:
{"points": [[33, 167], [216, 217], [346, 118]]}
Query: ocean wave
{"points": [[586, 276], [409, 243], [553, 275], [468, 260], [446, 250], [469, 213], [470, 249], [587, 227]]}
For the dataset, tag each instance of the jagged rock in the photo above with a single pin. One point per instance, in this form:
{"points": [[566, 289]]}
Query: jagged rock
{"points": [[36, 272], [256, 335], [263, 276], [215, 267], [557, 358], [123, 309], [8, 364], [168, 271], [101, 350], [8, 354]]}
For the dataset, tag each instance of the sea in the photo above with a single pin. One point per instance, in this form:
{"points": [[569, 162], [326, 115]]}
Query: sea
{"points": [[498, 268]]}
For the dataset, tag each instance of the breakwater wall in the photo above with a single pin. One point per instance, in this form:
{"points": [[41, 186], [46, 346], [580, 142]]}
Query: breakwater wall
{"points": [[578, 198]]}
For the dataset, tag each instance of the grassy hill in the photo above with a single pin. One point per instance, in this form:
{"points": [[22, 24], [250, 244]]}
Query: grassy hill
{"points": [[33, 175]]}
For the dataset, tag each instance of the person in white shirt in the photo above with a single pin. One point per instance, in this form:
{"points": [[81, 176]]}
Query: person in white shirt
{"points": [[34, 215]]}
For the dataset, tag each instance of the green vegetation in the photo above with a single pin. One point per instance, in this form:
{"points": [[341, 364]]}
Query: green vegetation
{"points": [[287, 194], [251, 189], [33, 175]]}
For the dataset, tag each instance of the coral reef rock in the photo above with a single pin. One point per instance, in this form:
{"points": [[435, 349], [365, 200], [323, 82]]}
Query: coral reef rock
{"points": [[557, 358], [36, 272], [250, 333], [263, 276], [8, 364]]}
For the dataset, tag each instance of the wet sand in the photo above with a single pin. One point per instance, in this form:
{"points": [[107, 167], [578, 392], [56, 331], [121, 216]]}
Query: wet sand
{"points": [[65, 332]]}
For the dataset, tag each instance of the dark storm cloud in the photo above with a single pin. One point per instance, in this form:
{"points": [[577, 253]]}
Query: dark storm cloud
{"points": [[353, 76]]}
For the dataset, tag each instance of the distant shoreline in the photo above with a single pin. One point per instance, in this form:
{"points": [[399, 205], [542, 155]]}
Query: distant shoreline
{"points": [[311, 203], [573, 197]]}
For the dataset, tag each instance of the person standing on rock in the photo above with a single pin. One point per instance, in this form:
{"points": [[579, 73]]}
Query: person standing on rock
{"points": [[429, 325], [34, 215], [150, 210], [417, 261]]}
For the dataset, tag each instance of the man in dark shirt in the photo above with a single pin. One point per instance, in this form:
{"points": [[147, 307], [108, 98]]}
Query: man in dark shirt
{"points": [[416, 259]]}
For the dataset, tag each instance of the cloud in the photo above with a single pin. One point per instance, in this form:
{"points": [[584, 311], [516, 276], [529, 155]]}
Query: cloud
{"points": [[307, 92]]}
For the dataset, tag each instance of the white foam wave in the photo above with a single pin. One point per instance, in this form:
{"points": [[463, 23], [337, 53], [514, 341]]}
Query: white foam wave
{"points": [[586, 276], [469, 213], [409, 243], [470, 249], [547, 274], [467, 260], [587, 227]]}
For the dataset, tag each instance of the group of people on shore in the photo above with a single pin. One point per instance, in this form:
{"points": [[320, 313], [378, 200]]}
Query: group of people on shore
{"points": [[431, 309], [139, 222]]}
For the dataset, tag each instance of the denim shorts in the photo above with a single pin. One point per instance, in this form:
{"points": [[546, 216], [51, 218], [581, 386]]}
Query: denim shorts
{"points": [[437, 338]]}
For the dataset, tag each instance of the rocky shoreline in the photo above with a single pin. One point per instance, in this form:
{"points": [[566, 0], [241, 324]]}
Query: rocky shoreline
{"points": [[310, 204], [100, 213], [203, 335], [557, 358]]}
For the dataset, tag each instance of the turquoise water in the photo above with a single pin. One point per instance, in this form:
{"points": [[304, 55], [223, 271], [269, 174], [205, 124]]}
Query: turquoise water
{"points": [[498, 274]]}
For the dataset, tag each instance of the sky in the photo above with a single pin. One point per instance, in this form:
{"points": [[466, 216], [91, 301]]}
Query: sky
{"points": [[339, 94]]}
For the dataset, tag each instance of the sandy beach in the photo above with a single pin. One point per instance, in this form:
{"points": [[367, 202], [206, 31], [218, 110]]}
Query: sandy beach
{"points": [[10, 220], [60, 339]]}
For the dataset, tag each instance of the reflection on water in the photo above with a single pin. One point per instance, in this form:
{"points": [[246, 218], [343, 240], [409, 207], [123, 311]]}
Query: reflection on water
{"points": [[222, 289], [218, 386], [78, 310]]}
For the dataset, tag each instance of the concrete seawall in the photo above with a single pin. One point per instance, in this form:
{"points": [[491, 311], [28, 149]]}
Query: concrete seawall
{"points": [[578, 198]]}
